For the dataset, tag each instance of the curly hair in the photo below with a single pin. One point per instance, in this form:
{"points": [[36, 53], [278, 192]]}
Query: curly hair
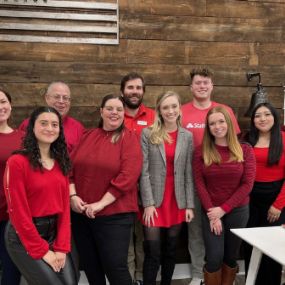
{"points": [[58, 149]]}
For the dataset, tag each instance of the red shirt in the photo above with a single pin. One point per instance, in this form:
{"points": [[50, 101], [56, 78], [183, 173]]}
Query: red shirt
{"points": [[73, 131], [265, 173], [144, 118], [100, 166], [193, 119], [33, 193], [9, 143], [226, 185]]}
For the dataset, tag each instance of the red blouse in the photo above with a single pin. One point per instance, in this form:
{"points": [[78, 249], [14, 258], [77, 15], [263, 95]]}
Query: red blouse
{"points": [[33, 193], [100, 166]]}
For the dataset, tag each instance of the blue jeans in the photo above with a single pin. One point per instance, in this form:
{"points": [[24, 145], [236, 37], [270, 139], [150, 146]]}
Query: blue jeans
{"points": [[10, 273]]}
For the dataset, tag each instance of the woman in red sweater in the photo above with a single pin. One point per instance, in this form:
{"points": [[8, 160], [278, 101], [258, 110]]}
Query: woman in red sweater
{"points": [[267, 199], [106, 167], [10, 140], [37, 192], [224, 172]]}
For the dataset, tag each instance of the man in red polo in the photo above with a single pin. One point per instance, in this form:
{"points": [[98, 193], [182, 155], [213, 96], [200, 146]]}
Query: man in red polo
{"points": [[137, 117]]}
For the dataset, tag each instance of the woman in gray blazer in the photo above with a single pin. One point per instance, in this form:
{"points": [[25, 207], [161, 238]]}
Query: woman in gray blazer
{"points": [[166, 187]]}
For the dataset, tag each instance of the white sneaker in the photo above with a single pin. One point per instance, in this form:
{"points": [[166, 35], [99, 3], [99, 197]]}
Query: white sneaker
{"points": [[196, 281]]}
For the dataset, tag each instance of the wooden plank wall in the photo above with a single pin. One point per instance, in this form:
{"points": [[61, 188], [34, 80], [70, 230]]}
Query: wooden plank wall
{"points": [[163, 40]]}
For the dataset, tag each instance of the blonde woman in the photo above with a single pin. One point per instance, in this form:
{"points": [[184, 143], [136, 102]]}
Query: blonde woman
{"points": [[166, 187], [224, 175]]}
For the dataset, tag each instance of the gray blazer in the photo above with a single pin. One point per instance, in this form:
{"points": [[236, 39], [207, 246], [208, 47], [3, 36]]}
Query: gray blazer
{"points": [[152, 180]]}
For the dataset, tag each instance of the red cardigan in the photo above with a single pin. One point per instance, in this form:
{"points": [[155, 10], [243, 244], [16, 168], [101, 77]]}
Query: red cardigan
{"points": [[226, 185], [100, 166], [31, 193]]}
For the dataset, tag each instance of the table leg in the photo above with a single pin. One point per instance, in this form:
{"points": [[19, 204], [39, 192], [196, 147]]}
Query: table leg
{"points": [[253, 266]]}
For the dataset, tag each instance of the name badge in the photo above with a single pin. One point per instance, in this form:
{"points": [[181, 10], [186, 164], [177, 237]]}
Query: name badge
{"points": [[142, 123]]}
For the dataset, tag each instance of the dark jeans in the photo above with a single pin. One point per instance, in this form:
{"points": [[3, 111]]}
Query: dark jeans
{"points": [[102, 245], [10, 273], [224, 248], [261, 198], [37, 271]]}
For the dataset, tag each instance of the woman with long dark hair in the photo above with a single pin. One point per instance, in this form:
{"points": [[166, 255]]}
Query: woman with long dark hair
{"points": [[10, 140], [267, 199], [38, 236], [224, 172], [103, 192]]}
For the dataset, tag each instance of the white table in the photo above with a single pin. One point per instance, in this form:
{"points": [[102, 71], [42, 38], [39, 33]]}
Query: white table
{"points": [[265, 240]]}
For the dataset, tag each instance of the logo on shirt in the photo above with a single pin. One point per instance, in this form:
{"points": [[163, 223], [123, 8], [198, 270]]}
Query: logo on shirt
{"points": [[142, 123], [195, 126]]}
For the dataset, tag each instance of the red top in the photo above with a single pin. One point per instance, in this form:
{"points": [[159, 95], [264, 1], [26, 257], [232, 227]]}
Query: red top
{"points": [[73, 131], [100, 166], [226, 185], [193, 119], [265, 173], [144, 118], [33, 193], [9, 143]]}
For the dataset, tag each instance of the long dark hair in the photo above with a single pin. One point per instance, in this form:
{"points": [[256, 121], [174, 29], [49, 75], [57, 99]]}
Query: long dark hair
{"points": [[6, 93], [58, 149], [117, 133], [276, 143]]}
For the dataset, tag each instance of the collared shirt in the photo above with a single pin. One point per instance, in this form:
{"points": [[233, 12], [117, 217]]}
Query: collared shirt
{"points": [[143, 119]]}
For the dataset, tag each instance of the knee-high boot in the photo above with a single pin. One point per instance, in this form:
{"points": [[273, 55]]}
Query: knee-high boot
{"points": [[213, 278], [168, 261], [228, 274], [151, 261]]}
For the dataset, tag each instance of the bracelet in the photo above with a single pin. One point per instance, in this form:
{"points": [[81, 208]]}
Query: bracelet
{"points": [[72, 195]]}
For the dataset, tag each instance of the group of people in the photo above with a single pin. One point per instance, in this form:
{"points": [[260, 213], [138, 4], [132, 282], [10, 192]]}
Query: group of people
{"points": [[131, 183]]}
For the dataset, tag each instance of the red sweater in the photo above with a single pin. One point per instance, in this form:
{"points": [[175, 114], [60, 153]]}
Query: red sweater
{"points": [[226, 185], [32, 193], [100, 166], [265, 173], [9, 143]]}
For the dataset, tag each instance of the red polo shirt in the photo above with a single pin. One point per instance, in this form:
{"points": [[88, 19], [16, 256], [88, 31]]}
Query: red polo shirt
{"points": [[143, 119]]}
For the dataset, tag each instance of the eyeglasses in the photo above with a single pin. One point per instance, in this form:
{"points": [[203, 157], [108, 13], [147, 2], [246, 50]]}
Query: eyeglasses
{"points": [[62, 98]]}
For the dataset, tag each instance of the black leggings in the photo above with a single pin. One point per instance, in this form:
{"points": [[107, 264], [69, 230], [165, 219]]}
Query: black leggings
{"points": [[37, 271], [159, 248], [261, 198], [224, 248]]}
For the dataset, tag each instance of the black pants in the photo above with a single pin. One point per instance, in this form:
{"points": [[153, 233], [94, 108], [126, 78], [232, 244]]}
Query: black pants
{"points": [[102, 244], [261, 198], [224, 248], [37, 271], [159, 248]]}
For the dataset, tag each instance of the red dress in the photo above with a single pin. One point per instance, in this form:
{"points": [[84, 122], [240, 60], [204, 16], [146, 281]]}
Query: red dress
{"points": [[168, 213]]}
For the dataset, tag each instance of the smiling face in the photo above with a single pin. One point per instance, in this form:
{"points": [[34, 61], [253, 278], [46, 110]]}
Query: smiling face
{"points": [[263, 119], [218, 126], [46, 128], [170, 110], [5, 108], [133, 93], [112, 114], [201, 88], [58, 97]]}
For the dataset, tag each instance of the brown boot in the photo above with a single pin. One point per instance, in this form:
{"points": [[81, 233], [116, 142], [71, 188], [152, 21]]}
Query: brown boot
{"points": [[228, 274], [213, 278]]}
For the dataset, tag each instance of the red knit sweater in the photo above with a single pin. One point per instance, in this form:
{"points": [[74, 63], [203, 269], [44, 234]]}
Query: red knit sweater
{"points": [[226, 185]]}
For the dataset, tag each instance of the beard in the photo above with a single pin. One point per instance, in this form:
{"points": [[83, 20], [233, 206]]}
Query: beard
{"points": [[130, 104]]}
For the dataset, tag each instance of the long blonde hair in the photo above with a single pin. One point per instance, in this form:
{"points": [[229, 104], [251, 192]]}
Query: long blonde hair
{"points": [[210, 152], [158, 134]]}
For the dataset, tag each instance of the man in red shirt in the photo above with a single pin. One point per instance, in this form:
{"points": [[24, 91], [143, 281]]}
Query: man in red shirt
{"points": [[58, 96], [193, 119], [137, 117]]}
